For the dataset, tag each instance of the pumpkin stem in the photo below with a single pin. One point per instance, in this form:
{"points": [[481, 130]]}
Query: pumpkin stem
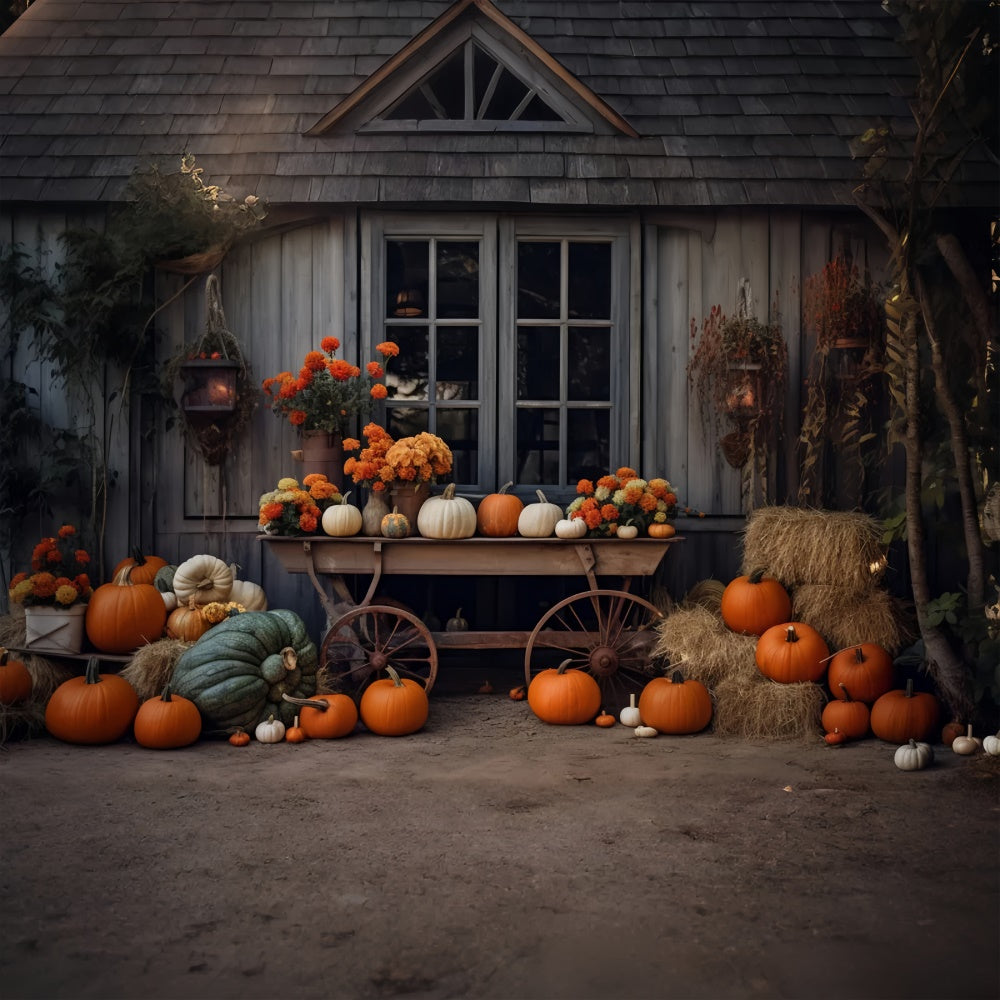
{"points": [[677, 677], [319, 703], [847, 696], [288, 659], [137, 557], [3, 657], [92, 674], [909, 687], [561, 669], [631, 700], [506, 486], [391, 671], [449, 492], [541, 496], [791, 635], [756, 576], [166, 693], [859, 656]]}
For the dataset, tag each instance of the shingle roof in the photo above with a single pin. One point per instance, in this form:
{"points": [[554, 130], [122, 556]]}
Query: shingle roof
{"points": [[734, 101]]}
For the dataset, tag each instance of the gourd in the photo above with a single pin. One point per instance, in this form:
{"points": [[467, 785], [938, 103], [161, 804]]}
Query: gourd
{"points": [[950, 731], [913, 756], [456, 623], [627, 532], [675, 705], [539, 520], [647, 732], [251, 595], [294, 733], [326, 716], [661, 530], [447, 516], [966, 744], [15, 680], [395, 525], [122, 616], [846, 715], [93, 709], [394, 706], [604, 720], [271, 730], [866, 669], [563, 696], [752, 604], [629, 715], [342, 520], [164, 583], [901, 715], [575, 527], [499, 513], [240, 738], [791, 652], [518, 693], [836, 737], [167, 722], [238, 671], [205, 578], [143, 568], [187, 624], [991, 745]]}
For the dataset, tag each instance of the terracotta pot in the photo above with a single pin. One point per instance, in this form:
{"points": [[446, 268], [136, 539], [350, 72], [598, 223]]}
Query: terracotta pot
{"points": [[408, 500], [321, 453]]}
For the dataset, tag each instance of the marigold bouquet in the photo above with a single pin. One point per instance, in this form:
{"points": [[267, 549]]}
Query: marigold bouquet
{"points": [[622, 498], [58, 577], [367, 467], [328, 391], [417, 459], [293, 509]]}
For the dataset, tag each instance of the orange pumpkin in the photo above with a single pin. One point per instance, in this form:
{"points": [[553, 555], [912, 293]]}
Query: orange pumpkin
{"points": [[326, 716], [167, 722], [791, 652], [904, 714], [392, 706], [497, 514], [520, 692], [564, 697], [96, 708], [144, 568], [604, 720], [847, 715], [241, 738], [665, 530], [675, 705], [295, 733], [122, 615], [15, 680], [866, 671], [753, 604], [188, 623]]}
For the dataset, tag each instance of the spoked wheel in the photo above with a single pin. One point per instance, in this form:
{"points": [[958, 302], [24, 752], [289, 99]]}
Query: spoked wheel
{"points": [[608, 633], [367, 639]]}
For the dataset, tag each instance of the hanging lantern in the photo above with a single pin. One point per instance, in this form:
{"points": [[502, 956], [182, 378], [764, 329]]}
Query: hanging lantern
{"points": [[208, 387]]}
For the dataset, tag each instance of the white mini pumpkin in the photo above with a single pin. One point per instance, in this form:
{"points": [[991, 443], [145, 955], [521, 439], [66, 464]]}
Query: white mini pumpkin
{"points": [[341, 520], [571, 528], [538, 520], [913, 756], [271, 730], [991, 745]]}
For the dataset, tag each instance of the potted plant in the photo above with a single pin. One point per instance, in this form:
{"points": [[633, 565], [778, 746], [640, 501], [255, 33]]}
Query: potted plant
{"points": [[621, 499]]}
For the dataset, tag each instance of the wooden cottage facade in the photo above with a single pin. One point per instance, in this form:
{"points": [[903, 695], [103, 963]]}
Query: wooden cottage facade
{"points": [[565, 186]]}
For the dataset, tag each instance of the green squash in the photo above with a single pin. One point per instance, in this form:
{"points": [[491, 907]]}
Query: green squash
{"points": [[164, 579], [237, 672]]}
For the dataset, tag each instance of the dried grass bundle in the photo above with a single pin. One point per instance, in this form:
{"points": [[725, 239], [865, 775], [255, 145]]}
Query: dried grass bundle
{"points": [[846, 618], [12, 631], [152, 666], [21, 722], [710, 652], [814, 546], [706, 594], [761, 709]]}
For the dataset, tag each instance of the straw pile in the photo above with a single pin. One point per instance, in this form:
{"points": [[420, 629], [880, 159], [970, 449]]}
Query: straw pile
{"points": [[848, 619], [761, 709], [152, 666], [697, 639]]}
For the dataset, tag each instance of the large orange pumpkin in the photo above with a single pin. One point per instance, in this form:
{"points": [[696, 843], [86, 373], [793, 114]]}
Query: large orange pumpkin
{"points": [[753, 604], [865, 670], [497, 514], [847, 715], [791, 652], [675, 705], [122, 615], [144, 568], [563, 696], [167, 722], [96, 708], [392, 706], [326, 716], [15, 680], [904, 714]]}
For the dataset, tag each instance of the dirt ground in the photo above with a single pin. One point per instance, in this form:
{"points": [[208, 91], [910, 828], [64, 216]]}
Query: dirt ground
{"points": [[493, 856]]}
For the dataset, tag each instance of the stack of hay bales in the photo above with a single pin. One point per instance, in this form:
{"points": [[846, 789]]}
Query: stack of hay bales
{"points": [[830, 563]]}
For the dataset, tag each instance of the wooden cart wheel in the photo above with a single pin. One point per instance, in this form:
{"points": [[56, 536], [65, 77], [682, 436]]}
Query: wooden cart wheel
{"points": [[609, 633], [367, 639]]}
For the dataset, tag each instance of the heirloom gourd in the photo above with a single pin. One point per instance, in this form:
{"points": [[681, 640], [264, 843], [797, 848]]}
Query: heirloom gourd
{"points": [[204, 578]]}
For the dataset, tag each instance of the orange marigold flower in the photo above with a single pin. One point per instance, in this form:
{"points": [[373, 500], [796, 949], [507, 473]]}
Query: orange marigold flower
{"points": [[53, 556], [268, 383], [305, 379], [66, 530], [633, 495], [609, 512], [308, 522], [625, 474], [288, 389], [378, 486], [329, 344], [585, 486], [82, 557], [387, 349], [351, 444], [313, 478], [593, 518], [670, 499], [18, 578], [323, 490], [314, 361], [82, 583], [44, 584], [379, 391], [339, 369], [271, 511], [297, 417], [374, 369], [647, 502], [589, 504], [608, 482]]}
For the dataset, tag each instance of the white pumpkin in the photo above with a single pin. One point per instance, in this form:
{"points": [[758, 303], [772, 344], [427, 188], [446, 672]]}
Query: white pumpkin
{"points": [[251, 595], [204, 579], [913, 756], [991, 745], [648, 732], [629, 715], [169, 600], [571, 528], [538, 520], [627, 532], [447, 516], [271, 730], [342, 520], [967, 744]]}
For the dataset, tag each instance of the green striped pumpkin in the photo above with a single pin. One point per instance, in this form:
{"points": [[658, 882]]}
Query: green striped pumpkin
{"points": [[236, 673]]}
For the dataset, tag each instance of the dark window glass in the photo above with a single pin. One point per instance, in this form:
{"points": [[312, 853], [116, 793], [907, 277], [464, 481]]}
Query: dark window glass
{"points": [[409, 372], [457, 280], [589, 356], [538, 280], [406, 277], [538, 445], [539, 111], [537, 362], [460, 428], [458, 363], [588, 452], [405, 421], [589, 281]]}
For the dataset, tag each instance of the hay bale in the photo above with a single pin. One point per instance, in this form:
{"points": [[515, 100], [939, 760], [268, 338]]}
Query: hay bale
{"points": [[152, 666], [758, 709], [707, 594], [800, 546], [846, 618], [698, 641]]}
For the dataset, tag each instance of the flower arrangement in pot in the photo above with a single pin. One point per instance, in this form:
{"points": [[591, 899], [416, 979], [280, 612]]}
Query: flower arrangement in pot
{"points": [[294, 509], [58, 578], [621, 501]]}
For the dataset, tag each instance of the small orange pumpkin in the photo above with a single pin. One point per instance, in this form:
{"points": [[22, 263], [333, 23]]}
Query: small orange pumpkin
{"points": [[394, 706], [325, 716], [15, 680], [241, 738], [518, 693], [664, 530], [604, 720], [143, 568], [836, 738], [846, 715], [792, 652], [187, 624], [294, 733], [497, 514]]}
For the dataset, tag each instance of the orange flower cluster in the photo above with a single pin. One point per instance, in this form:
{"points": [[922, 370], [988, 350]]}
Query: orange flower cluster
{"points": [[58, 578], [367, 467], [420, 458], [839, 303], [623, 497], [291, 509], [328, 391]]}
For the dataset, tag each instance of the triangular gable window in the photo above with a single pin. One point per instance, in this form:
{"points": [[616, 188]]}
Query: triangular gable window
{"points": [[472, 70]]}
